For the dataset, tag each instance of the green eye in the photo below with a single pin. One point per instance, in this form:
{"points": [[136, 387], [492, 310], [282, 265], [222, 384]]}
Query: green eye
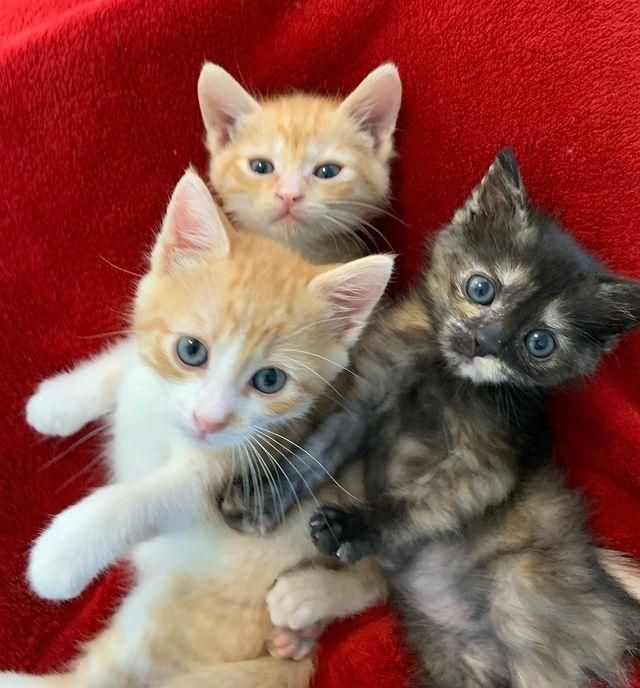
{"points": [[269, 380], [192, 351], [540, 343], [327, 170], [261, 166]]}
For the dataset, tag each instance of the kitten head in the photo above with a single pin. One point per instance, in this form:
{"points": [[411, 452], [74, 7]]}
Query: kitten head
{"points": [[514, 298], [301, 169], [245, 334]]}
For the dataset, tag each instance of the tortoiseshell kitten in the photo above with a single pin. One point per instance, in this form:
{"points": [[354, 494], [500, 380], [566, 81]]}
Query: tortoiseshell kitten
{"points": [[485, 549]]}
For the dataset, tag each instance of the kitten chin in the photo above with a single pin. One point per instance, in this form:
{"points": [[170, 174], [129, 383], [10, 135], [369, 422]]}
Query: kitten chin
{"points": [[480, 370]]}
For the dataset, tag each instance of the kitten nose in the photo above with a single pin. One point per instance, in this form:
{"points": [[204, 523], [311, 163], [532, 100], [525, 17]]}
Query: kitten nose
{"points": [[289, 189], [289, 196], [488, 341], [208, 424]]}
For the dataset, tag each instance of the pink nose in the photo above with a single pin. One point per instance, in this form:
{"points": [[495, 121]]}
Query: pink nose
{"points": [[289, 197], [208, 424]]}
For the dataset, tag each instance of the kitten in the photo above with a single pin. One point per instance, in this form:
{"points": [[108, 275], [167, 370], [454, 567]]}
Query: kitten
{"points": [[484, 547], [309, 171], [237, 338]]}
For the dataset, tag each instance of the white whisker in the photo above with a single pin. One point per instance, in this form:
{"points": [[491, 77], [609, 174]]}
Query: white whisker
{"points": [[313, 458], [75, 445]]}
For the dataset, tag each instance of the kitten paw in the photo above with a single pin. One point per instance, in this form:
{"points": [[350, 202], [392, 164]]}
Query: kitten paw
{"points": [[242, 510], [298, 601], [57, 568], [285, 643], [57, 409], [343, 532]]}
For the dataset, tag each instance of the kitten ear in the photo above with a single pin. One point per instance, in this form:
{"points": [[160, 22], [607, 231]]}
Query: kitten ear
{"points": [[621, 297], [500, 191], [193, 227], [375, 104], [223, 101], [352, 291]]}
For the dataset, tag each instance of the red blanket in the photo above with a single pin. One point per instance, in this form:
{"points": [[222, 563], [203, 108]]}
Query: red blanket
{"points": [[98, 118]]}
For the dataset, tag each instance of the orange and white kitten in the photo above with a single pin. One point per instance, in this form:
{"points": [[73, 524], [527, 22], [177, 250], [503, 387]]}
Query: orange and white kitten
{"points": [[236, 339], [309, 171]]}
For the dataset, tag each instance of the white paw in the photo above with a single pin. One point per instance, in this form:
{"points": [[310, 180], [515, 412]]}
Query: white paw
{"points": [[295, 602], [59, 568], [59, 407]]}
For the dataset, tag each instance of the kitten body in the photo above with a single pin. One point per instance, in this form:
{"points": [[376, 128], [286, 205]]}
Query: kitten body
{"points": [[299, 140], [485, 549], [183, 427]]}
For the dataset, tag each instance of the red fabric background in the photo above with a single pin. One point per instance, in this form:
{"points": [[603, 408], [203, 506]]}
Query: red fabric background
{"points": [[99, 116]]}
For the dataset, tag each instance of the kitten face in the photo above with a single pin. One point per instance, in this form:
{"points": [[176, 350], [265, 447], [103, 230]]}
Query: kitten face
{"points": [[301, 169], [514, 299], [245, 334]]}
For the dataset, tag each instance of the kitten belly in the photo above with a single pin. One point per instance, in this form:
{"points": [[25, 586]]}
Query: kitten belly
{"points": [[433, 583]]}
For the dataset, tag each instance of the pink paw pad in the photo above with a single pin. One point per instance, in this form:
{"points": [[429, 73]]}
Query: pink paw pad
{"points": [[284, 643]]}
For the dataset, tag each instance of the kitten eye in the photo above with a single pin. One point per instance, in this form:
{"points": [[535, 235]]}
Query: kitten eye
{"points": [[540, 343], [327, 170], [481, 289], [192, 351], [269, 380], [261, 166]]}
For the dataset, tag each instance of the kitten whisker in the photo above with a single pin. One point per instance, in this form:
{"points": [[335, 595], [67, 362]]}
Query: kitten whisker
{"points": [[265, 468], [338, 365], [313, 458], [347, 232], [232, 473], [270, 441], [117, 267], [361, 224], [272, 481], [75, 445], [85, 469], [105, 334], [317, 374], [257, 485], [375, 208]]}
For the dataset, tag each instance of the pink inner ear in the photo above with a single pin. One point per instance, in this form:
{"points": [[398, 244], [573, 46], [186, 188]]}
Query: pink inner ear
{"points": [[353, 290], [184, 228], [193, 225]]}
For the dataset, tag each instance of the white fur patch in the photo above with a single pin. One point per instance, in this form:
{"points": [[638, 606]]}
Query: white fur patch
{"points": [[482, 369]]}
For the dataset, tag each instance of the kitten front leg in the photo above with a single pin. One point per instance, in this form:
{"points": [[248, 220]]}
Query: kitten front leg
{"points": [[83, 540], [260, 509], [65, 402]]}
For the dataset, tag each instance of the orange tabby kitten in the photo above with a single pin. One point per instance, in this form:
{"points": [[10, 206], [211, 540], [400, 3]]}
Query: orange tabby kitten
{"points": [[236, 339], [309, 171]]}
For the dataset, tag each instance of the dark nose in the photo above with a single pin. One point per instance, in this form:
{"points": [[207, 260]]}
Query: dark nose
{"points": [[488, 341]]}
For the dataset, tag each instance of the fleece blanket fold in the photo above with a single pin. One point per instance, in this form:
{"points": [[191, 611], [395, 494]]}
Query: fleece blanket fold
{"points": [[98, 119]]}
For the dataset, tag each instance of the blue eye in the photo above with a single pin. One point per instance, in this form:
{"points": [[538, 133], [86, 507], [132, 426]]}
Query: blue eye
{"points": [[327, 170], [191, 351], [540, 343], [269, 380], [481, 289], [261, 166]]}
